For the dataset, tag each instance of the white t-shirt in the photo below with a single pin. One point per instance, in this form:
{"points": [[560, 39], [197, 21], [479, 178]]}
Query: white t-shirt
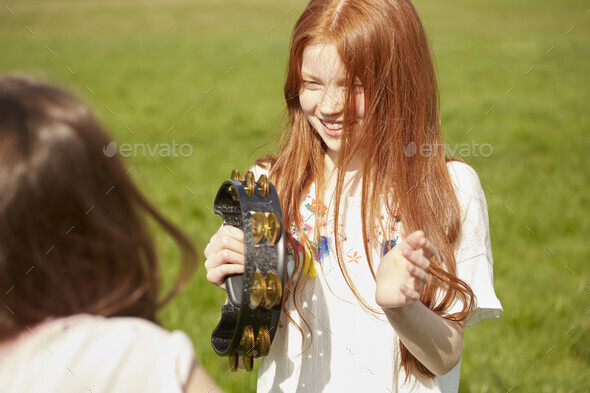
{"points": [[354, 350], [92, 354]]}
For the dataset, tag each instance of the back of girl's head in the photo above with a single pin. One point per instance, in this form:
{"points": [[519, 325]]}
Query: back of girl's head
{"points": [[73, 236]]}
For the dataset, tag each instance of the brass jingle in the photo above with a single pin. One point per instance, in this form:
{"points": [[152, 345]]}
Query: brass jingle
{"points": [[247, 341], [233, 362], [257, 290], [258, 221], [274, 290], [273, 229], [248, 363], [235, 175], [234, 193], [263, 187], [249, 183], [263, 341]]}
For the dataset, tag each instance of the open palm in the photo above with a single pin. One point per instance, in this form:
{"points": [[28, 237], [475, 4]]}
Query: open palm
{"points": [[403, 271]]}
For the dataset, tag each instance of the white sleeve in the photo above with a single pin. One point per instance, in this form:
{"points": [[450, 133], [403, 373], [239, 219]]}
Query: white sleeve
{"points": [[179, 364], [153, 360], [473, 250]]}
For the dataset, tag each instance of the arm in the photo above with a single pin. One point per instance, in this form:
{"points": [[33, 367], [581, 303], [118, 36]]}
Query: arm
{"points": [[434, 341], [201, 382]]}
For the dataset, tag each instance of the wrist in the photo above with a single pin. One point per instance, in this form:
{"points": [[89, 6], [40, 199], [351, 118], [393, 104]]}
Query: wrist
{"points": [[402, 311]]}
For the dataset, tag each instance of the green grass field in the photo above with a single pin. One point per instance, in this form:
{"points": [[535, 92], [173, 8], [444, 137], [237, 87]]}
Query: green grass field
{"points": [[208, 74]]}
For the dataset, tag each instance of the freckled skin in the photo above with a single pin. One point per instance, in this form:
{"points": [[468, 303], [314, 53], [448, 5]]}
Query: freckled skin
{"points": [[323, 92]]}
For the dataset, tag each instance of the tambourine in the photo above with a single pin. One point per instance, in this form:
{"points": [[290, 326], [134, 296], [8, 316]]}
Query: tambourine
{"points": [[250, 317]]}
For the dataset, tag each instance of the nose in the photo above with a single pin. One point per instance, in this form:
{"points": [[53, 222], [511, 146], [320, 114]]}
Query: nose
{"points": [[332, 102]]}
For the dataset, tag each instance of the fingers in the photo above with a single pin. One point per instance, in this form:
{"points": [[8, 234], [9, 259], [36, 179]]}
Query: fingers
{"points": [[408, 272], [417, 241], [428, 248], [226, 236], [414, 239], [410, 294], [217, 276], [417, 268], [225, 254], [418, 264], [417, 259], [418, 273]]}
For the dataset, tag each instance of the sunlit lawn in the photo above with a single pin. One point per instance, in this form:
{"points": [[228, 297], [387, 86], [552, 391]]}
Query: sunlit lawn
{"points": [[208, 75]]}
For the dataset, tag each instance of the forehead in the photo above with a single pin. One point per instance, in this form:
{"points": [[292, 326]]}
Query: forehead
{"points": [[322, 61]]}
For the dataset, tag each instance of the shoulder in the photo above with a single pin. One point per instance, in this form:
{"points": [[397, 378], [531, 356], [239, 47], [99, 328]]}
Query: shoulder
{"points": [[139, 330], [465, 182], [124, 348], [85, 325], [139, 338], [463, 176]]}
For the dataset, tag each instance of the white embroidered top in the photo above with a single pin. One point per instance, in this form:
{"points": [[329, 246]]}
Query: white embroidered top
{"points": [[354, 350]]}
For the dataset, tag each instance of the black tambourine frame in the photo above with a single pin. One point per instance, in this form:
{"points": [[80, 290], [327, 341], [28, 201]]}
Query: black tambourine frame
{"points": [[250, 317]]}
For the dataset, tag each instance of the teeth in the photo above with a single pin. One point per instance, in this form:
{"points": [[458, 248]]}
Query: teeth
{"points": [[332, 126]]}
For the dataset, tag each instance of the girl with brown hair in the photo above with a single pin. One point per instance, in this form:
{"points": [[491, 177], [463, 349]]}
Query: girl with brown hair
{"points": [[391, 254], [79, 273]]}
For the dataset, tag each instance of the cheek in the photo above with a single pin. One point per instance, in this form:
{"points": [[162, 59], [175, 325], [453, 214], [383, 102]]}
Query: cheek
{"points": [[360, 106], [308, 102]]}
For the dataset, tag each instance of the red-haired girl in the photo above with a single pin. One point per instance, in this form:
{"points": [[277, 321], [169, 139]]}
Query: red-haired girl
{"points": [[79, 274], [391, 253]]}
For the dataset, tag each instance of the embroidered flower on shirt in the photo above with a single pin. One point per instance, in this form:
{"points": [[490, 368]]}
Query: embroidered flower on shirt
{"points": [[340, 234], [387, 246], [323, 249], [354, 258], [317, 207]]}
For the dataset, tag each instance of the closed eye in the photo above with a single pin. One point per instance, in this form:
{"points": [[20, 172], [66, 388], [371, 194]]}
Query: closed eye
{"points": [[311, 85]]}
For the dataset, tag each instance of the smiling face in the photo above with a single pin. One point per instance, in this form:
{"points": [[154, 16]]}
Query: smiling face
{"points": [[323, 93]]}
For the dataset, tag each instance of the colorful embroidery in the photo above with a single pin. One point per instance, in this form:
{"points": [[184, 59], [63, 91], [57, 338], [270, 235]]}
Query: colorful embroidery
{"points": [[354, 258], [323, 249], [341, 234], [385, 234], [317, 207], [308, 267], [387, 246], [374, 237]]}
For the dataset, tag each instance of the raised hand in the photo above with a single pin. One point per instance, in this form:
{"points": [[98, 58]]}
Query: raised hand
{"points": [[225, 255], [403, 271]]}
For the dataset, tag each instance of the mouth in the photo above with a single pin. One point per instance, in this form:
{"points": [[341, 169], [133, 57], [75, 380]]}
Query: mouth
{"points": [[332, 128]]}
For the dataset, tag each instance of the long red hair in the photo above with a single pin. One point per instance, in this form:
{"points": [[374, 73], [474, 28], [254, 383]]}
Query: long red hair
{"points": [[383, 45]]}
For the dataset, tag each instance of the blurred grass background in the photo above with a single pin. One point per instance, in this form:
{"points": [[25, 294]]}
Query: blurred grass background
{"points": [[209, 73]]}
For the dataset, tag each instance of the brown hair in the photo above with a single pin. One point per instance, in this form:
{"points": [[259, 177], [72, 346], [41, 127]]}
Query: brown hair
{"points": [[383, 45], [73, 230]]}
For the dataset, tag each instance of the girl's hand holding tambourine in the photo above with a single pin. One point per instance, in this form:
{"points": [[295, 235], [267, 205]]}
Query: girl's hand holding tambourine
{"points": [[225, 255], [403, 271]]}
